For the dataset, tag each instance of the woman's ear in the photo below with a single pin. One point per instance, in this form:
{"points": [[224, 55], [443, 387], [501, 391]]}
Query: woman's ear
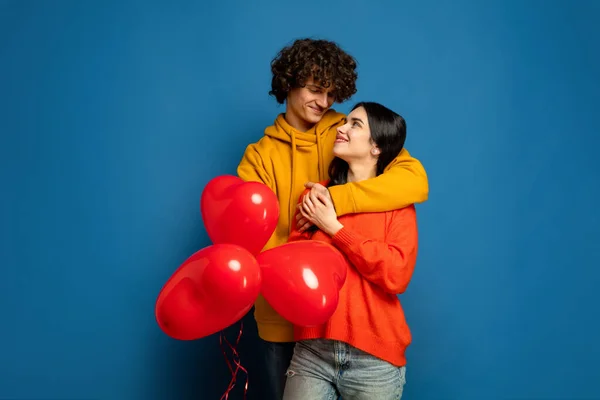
{"points": [[375, 151]]}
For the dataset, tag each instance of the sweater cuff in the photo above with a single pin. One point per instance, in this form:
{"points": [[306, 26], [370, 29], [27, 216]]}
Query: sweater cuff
{"points": [[346, 238]]}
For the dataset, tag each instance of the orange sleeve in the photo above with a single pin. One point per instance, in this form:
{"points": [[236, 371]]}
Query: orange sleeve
{"points": [[296, 235], [388, 264]]}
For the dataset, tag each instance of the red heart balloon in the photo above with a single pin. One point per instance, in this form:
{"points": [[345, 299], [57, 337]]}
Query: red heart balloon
{"points": [[211, 290], [301, 280], [238, 212]]}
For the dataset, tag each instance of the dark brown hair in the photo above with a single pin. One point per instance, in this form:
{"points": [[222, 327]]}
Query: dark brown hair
{"points": [[388, 133], [322, 60]]}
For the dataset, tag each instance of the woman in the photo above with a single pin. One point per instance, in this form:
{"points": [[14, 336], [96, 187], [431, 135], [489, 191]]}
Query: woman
{"points": [[360, 352]]}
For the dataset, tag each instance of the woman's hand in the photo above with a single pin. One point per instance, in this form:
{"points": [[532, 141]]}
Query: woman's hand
{"points": [[302, 223], [318, 208]]}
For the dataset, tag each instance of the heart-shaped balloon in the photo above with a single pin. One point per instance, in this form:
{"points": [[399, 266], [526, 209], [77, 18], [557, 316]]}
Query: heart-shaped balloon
{"points": [[238, 212], [301, 280], [211, 290]]}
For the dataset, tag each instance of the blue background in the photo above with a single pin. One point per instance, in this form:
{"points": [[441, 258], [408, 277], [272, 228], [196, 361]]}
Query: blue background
{"points": [[115, 114]]}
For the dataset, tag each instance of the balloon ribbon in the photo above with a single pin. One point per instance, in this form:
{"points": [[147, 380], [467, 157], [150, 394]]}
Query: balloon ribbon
{"points": [[236, 360]]}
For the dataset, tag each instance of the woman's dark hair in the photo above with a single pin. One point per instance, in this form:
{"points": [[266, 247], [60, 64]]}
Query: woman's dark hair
{"points": [[323, 60], [388, 133]]}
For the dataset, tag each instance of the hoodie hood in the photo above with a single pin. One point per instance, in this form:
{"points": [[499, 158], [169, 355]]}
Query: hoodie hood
{"points": [[283, 131], [300, 142]]}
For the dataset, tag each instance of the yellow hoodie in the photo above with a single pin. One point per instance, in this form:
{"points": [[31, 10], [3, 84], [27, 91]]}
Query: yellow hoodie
{"points": [[285, 159]]}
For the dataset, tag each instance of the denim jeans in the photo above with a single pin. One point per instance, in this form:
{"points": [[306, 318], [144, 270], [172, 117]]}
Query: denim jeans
{"points": [[277, 361], [326, 369]]}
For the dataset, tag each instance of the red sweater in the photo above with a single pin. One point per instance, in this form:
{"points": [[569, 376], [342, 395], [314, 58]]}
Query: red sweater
{"points": [[381, 250]]}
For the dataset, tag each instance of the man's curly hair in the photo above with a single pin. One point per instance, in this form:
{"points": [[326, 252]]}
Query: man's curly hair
{"points": [[322, 60]]}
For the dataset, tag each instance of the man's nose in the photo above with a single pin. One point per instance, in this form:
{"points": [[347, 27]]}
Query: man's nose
{"points": [[322, 100]]}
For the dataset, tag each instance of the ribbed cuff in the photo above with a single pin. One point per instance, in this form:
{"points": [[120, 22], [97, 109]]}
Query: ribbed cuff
{"points": [[345, 237]]}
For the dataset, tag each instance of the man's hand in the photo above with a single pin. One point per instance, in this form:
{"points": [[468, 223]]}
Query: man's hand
{"points": [[302, 223], [319, 189], [317, 208]]}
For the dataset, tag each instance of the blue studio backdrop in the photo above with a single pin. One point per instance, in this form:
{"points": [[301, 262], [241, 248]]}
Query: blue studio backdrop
{"points": [[115, 114]]}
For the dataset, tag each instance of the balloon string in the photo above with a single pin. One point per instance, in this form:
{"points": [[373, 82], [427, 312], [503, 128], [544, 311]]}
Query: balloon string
{"points": [[236, 361]]}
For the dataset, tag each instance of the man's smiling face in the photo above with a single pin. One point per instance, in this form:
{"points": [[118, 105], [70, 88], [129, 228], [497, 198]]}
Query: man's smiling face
{"points": [[306, 105]]}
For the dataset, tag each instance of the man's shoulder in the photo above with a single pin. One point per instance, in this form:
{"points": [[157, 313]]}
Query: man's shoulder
{"points": [[262, 145], [333, 118]]}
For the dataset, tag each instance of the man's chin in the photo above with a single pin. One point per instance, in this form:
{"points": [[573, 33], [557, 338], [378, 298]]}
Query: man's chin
{"points": [[314, 117]]}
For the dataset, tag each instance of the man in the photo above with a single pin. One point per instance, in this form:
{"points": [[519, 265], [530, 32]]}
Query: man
{"points": [[309, 76]]}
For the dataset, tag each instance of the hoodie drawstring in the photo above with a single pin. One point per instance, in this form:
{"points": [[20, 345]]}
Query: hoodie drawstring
{"points": [[292, 200], [321, 168], [282, 131], [321, 162]]}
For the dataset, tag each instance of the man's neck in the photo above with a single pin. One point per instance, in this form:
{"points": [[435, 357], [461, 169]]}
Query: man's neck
{"points": [[362, 171], [297, 123]]}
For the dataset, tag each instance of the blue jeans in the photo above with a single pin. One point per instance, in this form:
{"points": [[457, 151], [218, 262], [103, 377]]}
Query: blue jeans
{"points": [[326, 369], [277, 361]]}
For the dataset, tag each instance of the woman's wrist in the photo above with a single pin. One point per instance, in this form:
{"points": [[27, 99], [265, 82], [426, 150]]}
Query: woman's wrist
{"points": [[333, 228]]}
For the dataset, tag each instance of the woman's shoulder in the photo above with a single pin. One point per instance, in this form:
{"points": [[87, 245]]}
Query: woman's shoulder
{"points": [[408, 213], [409, 210], [402, 219]]}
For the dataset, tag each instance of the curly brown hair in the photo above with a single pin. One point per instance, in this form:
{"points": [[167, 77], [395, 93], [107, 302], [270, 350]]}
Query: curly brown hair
{"points": [[322, 60]]}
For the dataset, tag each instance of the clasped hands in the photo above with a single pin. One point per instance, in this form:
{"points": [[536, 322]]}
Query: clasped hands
{"points": [[316, 208]]}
